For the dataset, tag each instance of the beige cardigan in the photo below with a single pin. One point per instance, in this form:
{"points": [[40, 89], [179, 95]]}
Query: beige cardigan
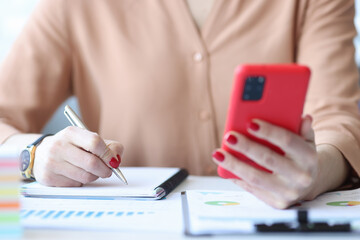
{"points": [[145, 76]]}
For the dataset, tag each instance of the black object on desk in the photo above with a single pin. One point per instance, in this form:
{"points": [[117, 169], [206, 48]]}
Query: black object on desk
{"points": [[303, 225], [166, 187]]}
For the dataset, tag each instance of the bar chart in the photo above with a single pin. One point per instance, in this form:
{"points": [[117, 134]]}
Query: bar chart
{"points": [[73, 214]]}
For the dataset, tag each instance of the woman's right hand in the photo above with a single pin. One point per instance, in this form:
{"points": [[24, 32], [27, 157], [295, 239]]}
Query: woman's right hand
{"points": [[75, 156]]}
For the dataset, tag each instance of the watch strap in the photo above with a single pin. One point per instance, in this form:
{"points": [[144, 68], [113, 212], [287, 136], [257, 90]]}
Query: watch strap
{"points": [[39, 140], [31, 148]]}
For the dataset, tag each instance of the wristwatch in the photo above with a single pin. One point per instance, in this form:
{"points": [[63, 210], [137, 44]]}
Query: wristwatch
{"points": [[27, 158]]}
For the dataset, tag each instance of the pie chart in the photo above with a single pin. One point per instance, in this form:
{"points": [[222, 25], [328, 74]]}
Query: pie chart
{"points": [[222, 203], [344, 203]]}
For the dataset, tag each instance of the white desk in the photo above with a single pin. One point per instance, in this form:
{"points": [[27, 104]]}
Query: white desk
{"points": [[193, 182]]}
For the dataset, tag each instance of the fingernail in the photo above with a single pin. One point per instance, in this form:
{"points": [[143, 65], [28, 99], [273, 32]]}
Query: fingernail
{"points": [[218, 156], [119, 158], [231, 139], [253, 126], [114, 163]]}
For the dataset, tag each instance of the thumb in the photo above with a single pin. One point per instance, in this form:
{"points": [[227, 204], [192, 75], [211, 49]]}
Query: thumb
{"points": [[306, 130]]}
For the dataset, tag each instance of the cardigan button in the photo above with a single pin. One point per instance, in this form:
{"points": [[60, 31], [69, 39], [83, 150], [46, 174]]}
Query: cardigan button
{"points": [[198, 57], [204, 115]]}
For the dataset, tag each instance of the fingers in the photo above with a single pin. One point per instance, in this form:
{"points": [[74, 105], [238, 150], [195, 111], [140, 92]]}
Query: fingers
{"points": [[266, 186], [248, 173], [53, 180], [86, 161], [94, 144], [260, 154], [264, 196], [293, 174], [61, 181], [114, 147], [75, 173], [291, 143], [75, 156]]}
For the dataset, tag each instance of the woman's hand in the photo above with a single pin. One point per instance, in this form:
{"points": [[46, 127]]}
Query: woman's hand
{"points": [[300, 174], [74, 157]]}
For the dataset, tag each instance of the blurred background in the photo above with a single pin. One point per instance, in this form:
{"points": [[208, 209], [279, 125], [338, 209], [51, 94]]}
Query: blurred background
{"points": [[13, 16]]}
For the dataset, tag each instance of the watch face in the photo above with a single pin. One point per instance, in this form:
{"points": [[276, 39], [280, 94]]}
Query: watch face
{"points": [[25, 160]]}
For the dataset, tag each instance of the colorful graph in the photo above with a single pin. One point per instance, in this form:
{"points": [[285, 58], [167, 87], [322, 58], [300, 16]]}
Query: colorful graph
{"points": [[222, 203], [343, 203], [9, 196]]}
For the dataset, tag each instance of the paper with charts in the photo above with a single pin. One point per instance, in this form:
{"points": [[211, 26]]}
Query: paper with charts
{"points": [[102, 215], [226, 212]]}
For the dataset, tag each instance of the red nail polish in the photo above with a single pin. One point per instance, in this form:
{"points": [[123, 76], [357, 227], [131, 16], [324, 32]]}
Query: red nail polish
{"points": [[231, 139], [253, 126], [114, 163], [119, 158], [218, 156]]}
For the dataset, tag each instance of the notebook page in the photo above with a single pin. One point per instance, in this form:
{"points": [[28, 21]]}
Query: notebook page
{"points": [[142, 181]]}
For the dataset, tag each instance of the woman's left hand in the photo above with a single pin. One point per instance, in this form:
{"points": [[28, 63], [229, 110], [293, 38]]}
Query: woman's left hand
{"points": [[294, 175]]}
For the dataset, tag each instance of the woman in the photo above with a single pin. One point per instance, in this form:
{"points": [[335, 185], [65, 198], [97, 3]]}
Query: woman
{"points": [[154, 78]]}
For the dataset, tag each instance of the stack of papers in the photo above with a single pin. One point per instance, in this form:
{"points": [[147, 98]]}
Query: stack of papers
{"points": [[229, 212], [103, 215], [108, 204]]}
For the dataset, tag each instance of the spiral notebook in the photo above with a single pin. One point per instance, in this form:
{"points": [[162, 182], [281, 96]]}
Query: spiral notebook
{"points": [[146, 183]]}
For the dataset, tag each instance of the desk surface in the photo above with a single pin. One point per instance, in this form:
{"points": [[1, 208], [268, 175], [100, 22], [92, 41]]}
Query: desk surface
{"points": [[193, 182]]}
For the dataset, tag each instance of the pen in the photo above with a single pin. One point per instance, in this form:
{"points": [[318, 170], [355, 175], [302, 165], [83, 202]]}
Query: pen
{"points": [[76, 121]]}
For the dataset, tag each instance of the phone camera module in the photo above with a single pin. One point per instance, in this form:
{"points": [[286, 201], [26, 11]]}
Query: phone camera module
{"points": [[253, 89]]}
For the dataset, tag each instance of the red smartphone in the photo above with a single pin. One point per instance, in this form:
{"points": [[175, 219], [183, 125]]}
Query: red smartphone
{"points": [[273, 93]]}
